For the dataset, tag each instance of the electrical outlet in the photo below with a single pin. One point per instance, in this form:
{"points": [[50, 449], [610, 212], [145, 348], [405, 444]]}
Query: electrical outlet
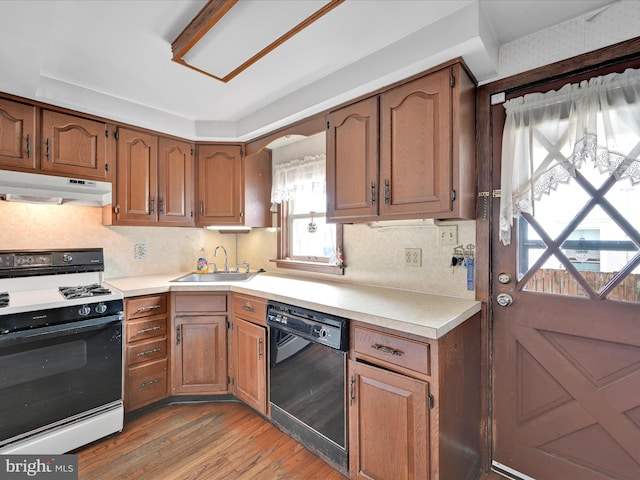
{"points": [[412, 257], [447, 234], [140, 251]]}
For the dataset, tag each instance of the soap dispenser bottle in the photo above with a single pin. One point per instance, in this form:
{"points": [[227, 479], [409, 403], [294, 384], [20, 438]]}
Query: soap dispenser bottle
{"points": [[202, 266]]}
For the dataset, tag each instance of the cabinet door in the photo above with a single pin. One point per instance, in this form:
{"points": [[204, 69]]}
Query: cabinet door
{"points": [[250, 365], [200, 354], [388, 425], [257, 189], [175, 182], [74, 146], [17, 135], [416, 141], [352, 161], [220, 190], [137, 154]]}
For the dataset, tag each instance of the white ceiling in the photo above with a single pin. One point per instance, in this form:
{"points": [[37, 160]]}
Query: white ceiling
{"points": [[112, 58]]}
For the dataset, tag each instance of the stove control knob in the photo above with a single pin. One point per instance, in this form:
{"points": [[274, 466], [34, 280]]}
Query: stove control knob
{"points": [[67, 258], [101, 308], [84, 310], [323, 333]]}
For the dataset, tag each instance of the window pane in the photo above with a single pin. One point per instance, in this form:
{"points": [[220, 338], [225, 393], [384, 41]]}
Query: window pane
{"points": [[304, 244], [304, 204]]}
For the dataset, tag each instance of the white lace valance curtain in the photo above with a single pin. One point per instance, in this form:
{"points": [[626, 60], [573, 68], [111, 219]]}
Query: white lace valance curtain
{"points": [[548, 136], [306, 176]]}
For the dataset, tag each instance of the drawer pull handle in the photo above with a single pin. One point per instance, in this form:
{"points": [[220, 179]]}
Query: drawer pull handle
{"points": [[146, 309], [247, 308], [151, 329], [150, 382], [149, 352], [390, 351]]}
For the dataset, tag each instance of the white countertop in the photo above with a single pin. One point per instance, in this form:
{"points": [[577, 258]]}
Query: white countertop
{"points": [[427, 315]]}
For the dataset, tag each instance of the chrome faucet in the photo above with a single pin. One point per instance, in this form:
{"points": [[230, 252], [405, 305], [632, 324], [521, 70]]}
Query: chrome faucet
{"points": [[226, 258]]}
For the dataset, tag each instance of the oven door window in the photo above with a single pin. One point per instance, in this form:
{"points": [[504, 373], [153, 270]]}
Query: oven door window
{"points": [[52, 374]]}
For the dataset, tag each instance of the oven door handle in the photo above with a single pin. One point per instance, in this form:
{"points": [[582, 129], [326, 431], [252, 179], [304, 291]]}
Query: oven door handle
{"points": [[53, 331]]}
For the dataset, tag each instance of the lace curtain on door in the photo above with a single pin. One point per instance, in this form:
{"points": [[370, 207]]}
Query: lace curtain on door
{"points": [[595, 123]]}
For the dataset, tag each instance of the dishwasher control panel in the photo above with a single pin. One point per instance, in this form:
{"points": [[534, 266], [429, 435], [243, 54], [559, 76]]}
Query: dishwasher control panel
{"points": [[315, 326]]}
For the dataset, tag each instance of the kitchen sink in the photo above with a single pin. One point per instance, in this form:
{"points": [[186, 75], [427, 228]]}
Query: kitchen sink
{"points": [[216, 277]]}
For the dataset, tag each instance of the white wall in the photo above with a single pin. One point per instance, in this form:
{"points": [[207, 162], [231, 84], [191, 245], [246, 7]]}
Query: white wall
{"points": [[612, 24]]}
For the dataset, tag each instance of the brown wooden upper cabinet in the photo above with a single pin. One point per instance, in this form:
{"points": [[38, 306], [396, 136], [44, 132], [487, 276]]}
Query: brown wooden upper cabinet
{"points": [[155, 180], [232, 190], [407, 152], [257, 189], [74, 146], [220, 189], [17, 136]]}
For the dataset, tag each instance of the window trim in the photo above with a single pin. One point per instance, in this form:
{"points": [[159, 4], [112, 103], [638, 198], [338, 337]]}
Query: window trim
{"points": [[282, 261]]}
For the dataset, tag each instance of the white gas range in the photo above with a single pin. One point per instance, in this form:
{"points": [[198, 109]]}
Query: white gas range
{"points": [[61, 351]]}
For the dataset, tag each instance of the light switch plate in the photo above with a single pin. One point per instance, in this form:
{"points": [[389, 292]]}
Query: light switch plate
{"points": [[447, 234]]}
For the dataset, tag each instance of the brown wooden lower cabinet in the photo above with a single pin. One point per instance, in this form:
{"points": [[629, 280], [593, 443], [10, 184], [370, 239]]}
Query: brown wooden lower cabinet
{"points": [[250, 364], [199, 343], [414, 406], [200, 354], [146, 351], [147, 383], [388, 425], [249, 351]]}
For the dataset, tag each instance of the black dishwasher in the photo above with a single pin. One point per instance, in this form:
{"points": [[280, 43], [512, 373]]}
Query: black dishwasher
{"points": [[307, 387]]}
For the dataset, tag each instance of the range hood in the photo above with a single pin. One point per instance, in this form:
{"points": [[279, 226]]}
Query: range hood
{"points": [[48, 189]]}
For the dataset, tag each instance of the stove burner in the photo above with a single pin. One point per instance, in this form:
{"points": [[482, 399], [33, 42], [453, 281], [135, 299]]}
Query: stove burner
{"points": [[84, 291], [4, 299]]}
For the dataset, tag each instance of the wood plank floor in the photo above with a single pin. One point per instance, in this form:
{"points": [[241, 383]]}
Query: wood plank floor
{"points": [[220, 440]]}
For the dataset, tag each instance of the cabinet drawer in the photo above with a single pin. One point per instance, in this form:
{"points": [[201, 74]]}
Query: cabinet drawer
{"points": [[154, 327], [144, 352], [250, 308], [391, 349], [147, 383], [146, 306], [199, 303]]}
